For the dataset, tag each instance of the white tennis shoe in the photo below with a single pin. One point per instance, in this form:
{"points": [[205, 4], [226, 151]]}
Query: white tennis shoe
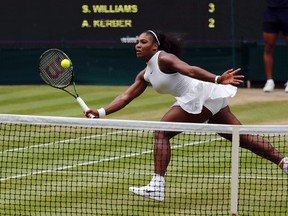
{"points": [[269, 86], [286, 88], [284, 164], [156, 192]]}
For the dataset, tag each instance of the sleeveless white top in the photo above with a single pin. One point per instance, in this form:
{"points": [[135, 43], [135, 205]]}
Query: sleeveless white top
{"points": [[190, 93]]}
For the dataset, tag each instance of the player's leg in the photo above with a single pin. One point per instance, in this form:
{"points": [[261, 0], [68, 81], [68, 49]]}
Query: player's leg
{"points": [[286, 40], [254, 143], [283, 20], [270, 33], [162, 151], [269, 47]]}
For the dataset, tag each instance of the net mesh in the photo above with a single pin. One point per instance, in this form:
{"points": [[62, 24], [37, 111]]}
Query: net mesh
{"points": [[72, 166]]}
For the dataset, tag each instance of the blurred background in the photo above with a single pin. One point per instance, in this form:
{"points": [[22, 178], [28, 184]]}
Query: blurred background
{"points": [[99, 37]]}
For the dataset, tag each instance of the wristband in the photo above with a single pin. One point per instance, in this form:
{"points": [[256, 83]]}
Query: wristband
{"points": [[216, 79], [101, 112]]}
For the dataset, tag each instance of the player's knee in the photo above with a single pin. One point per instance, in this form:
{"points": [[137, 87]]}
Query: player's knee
{"points": [[269, 48], [163, 135]]}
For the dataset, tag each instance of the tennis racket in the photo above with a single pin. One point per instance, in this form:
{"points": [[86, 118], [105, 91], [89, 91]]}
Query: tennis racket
{"points": [[58, 77]]}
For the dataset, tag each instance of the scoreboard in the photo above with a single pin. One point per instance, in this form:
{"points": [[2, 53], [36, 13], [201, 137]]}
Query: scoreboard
{"points": [[116, 23]]}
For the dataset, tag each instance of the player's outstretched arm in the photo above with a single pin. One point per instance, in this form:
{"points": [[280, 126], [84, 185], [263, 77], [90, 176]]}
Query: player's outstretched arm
{"points": [[136, 89], [171, 63]]}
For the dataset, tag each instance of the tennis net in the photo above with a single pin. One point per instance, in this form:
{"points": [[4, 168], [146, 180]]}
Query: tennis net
{"points": [[78, 166]]}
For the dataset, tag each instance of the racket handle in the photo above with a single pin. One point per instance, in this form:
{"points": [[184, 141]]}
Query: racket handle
{"points": [[84, 106]]}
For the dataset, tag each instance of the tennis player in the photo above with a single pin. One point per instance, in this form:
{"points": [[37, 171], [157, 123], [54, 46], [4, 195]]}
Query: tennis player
{"points": [[275, 22], [200, 96]]}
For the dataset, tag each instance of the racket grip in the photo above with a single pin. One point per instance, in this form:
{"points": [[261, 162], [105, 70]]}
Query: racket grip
{"points": [[84, 106]]}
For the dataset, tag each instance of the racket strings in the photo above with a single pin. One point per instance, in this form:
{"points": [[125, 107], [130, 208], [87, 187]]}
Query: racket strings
{"points": [[51, 70]]}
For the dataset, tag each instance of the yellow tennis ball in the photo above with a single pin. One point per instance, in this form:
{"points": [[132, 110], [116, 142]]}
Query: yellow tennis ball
{"points": [[65, 63]]}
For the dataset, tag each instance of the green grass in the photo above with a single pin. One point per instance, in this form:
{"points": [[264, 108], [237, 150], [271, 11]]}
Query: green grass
{"points": [[100, 188], [44, 100], [262, 112]]}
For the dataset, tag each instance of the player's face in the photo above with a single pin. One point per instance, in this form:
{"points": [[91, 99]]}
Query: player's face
{"points": [[145, 46]]}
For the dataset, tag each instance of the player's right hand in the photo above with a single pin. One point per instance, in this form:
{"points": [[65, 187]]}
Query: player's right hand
{"points": [[92, 113]]}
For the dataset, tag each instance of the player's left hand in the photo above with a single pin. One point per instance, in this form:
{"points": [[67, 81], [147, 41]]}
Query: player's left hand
{"points": [[229, 77]]}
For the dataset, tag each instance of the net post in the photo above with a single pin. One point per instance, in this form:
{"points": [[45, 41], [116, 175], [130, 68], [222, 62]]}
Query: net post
{"points": [[235, 170]]}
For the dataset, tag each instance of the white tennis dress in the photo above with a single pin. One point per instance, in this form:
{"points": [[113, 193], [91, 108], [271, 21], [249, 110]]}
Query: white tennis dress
{"points": [[191, 94]]}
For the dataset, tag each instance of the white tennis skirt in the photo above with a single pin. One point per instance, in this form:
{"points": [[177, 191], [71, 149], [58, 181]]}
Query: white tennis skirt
{"points": [[214, 98]]}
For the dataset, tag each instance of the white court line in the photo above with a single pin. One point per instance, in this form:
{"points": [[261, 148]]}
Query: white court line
{"points": [[55, 143], [98, 161], [175, 175]]}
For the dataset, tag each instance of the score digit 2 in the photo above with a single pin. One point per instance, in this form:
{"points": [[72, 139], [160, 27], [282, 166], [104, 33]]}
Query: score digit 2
{"points": [[211, 10]]}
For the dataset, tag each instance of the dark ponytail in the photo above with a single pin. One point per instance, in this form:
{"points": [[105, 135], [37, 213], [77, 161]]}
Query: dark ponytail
{"points": [[168, 42]]}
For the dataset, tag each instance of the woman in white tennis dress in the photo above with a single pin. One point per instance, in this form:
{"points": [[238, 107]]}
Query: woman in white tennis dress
{"points": [[200, 96]]}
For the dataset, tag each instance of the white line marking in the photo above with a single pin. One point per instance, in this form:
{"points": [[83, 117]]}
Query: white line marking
{"points": [[54, 143], [99, 161], [174, 175]]}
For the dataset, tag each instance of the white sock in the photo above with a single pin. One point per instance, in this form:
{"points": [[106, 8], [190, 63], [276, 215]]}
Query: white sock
{"points": [[270, 80], [157, 180]]}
